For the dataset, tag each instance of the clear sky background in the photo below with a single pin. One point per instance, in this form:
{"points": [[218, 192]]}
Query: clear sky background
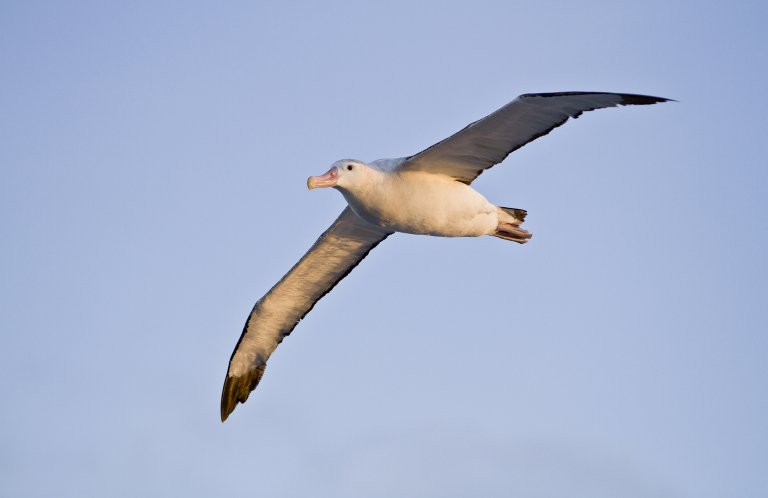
{"points": [[153, 158]]}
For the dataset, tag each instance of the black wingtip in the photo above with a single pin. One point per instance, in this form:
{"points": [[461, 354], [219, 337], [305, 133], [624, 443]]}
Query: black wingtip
{"points": [[626, 98], [237, 389], [633, 99]]}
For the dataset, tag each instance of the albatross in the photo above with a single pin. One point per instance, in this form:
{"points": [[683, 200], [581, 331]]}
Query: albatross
{"points": [[428, 193]]}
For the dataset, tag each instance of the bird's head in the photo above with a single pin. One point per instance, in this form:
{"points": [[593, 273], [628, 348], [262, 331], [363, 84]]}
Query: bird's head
{"points": [[346, 174]]}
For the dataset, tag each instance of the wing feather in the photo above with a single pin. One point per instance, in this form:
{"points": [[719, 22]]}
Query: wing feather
{"points": [[486, 142], [332, 257]]}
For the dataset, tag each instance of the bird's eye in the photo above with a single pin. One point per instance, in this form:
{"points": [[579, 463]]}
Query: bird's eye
{"points": [[349, 167]]}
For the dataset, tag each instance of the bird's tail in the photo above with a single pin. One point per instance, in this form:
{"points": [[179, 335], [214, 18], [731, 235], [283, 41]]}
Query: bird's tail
{"points": [[508, 228]]}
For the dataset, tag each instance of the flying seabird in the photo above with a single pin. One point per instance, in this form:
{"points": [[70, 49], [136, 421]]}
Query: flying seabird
{"points": [[427, 194]]}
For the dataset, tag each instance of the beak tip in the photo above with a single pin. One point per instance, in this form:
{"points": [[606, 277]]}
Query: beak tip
{"points": [[326, 180]]}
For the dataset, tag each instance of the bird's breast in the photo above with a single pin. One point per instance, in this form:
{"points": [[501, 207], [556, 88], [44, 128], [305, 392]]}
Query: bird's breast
{"points": [[425, 204]]}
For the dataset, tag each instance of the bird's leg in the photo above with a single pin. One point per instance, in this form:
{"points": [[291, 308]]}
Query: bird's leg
{"points": [[509, 231]]}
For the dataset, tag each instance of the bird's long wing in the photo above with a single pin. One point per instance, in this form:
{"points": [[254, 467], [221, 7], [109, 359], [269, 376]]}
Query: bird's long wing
{"points": [[336, 253], [466, 154]]}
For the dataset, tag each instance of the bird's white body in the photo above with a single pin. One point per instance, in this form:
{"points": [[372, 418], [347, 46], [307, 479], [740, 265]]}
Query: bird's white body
{"points": [[416, 202]]}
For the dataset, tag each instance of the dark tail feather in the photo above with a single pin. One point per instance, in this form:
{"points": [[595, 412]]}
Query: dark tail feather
{"points": [[518, 214]]}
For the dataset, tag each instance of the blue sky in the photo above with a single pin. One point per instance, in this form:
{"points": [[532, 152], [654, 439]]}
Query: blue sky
{"points": [[153, 162]]}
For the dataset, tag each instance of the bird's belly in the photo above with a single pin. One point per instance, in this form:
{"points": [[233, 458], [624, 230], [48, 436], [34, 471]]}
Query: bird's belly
{"points": [[446, 210]]}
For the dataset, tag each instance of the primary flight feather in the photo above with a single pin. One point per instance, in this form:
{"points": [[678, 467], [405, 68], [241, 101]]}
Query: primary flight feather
{"points": [[428, 194]]}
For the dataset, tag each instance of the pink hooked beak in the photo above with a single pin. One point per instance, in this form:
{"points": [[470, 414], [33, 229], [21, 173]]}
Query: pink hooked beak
{"points": [[327, 179]]}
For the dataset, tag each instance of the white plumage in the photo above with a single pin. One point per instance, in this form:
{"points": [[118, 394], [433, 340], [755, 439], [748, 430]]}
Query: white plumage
{"points": [[415, 202]]}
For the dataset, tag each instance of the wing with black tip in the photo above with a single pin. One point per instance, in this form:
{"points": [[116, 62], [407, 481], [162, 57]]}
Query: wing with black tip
{"points": [[336, 253], [466, 154]]}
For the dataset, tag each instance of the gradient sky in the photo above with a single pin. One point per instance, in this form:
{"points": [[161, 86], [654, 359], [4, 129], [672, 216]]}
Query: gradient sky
{"points": [[153, 158]]}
